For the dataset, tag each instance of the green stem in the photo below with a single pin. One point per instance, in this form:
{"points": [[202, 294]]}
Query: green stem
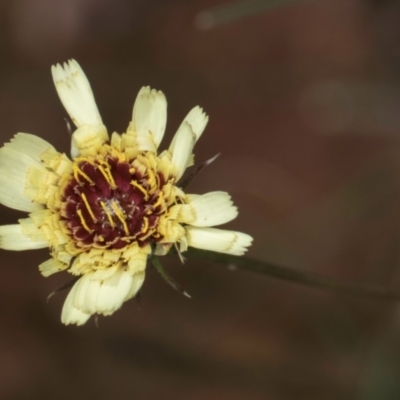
{"points": [[160, 269], [237, 10], [295, 276]]}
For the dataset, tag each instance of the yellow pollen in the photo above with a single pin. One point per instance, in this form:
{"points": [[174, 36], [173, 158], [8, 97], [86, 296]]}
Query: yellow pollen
{"points": [[120, 215], [148, 234], [83, 222], [85, 200], [145, 225], [169, 194], [78, 172], [104, 207], [99, 245], [107, 175], [157, 180], [111, 242], [129, 238], [151, 179], [141, 188], [159, 201]]}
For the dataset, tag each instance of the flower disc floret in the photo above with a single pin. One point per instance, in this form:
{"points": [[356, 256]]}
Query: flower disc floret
{"points": [[109, 202]]}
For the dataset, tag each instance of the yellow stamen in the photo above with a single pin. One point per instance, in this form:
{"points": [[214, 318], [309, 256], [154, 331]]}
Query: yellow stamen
{"points": [[151, 179], [83, 222], [78, 172], [145, 225], [104, 207], [111, 242], [120, 215], [148, 234], [141, 188], [85, 200], [99, 246], [157, 180], [159, 201], [107, 175]]}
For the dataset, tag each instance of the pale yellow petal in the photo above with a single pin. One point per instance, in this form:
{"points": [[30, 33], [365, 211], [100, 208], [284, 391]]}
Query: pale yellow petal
{"points": [[105, 273], [12, 196], [71, 314], [87, 140], [14, 167], [39, 184], [181, 149], [198, 120], [137, 263], [222, 241], [113, 292], [149, 118], [210, 209], [137, 282], [86, 293], [31, 145], [105, 296], [52, 266], [75, 94], [30, 229], [12, 237], [171, 230]]}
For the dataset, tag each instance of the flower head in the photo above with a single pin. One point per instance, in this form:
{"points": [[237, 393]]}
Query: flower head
{"points": [[116, 201]]}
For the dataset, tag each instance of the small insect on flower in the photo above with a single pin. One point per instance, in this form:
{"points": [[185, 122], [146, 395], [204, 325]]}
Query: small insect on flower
{"points": [[103, 212]]}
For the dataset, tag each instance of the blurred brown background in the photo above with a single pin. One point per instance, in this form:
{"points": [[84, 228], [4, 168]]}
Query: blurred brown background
{"points": [[304, 101]]}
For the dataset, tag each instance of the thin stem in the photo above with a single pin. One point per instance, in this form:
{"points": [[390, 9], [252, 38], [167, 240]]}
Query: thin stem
{"points": [[65, 286], [160, 269], [295, 276], [235, 10]]}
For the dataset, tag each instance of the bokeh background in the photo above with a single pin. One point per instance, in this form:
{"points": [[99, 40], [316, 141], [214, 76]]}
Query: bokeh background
{"points": [[304, 101]]}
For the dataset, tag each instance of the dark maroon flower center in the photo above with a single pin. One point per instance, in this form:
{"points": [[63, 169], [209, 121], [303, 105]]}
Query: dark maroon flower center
{"points": [[109, 203]]}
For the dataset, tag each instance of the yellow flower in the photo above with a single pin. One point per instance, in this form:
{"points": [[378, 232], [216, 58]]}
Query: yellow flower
{"points": [[117, 201]]}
